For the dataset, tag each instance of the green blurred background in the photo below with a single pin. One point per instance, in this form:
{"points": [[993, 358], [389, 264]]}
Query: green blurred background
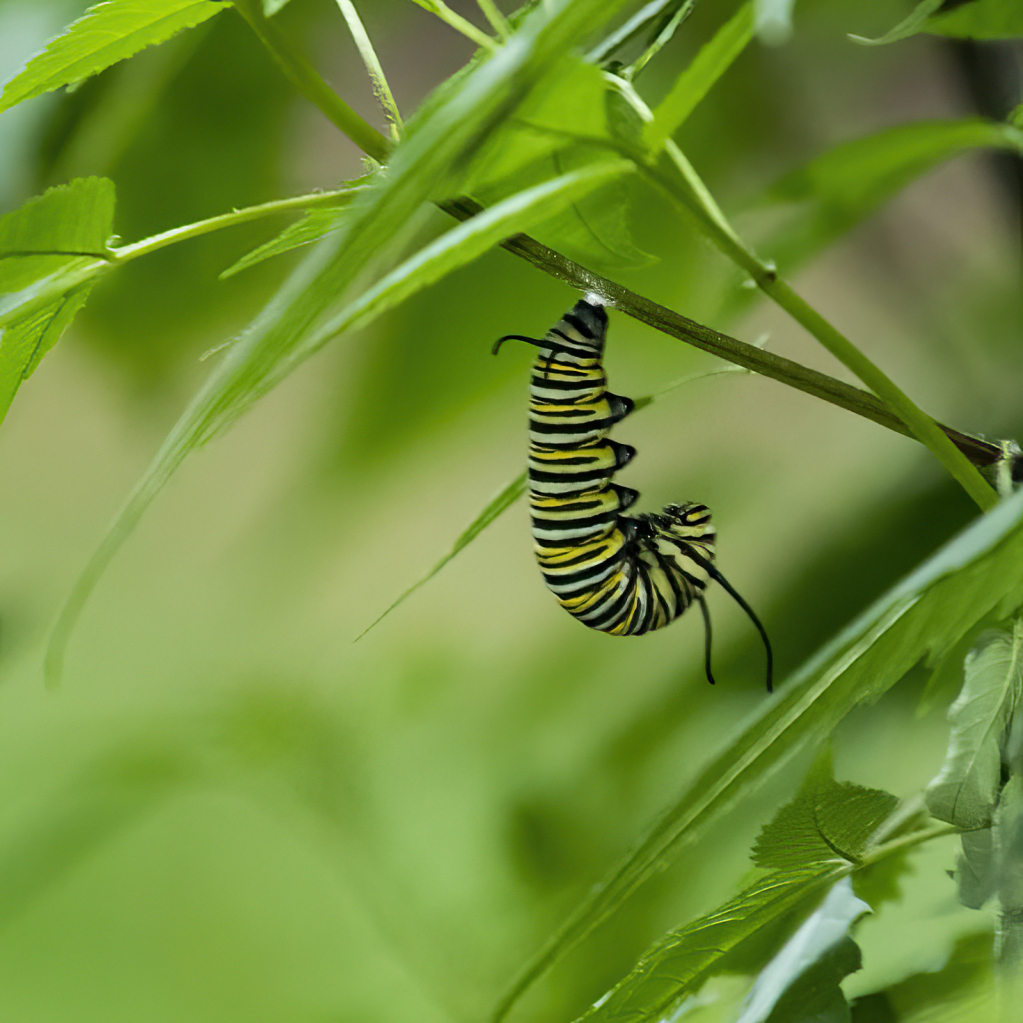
{"points": [[231, 812]]}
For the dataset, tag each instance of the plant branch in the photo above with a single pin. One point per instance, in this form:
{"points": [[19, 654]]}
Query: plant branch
{"points": [[980, 452], [896, 412], [693, 197]]}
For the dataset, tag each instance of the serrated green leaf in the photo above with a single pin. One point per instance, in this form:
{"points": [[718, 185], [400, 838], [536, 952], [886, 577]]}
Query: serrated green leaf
{"points": [[827, 819], [316, 224], [965, 792], [50, 230], [909, 26], [431, 162], [45, 244], [108, 33], [801, 983], [25, 341], [843, 186], [713, 60], [979, 19], [928, 611]]}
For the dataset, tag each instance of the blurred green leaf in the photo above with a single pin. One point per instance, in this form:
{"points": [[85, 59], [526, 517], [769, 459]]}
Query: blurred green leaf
{"points": [[843, 186], [48, 231], [430, 162], [928, 611], [774, 21], [979, 19], [89, 810], [974, 19], [316, 224], [108, 33], [967, 968], [801, 983], [965, 792], [909, 26], [713, 60]]}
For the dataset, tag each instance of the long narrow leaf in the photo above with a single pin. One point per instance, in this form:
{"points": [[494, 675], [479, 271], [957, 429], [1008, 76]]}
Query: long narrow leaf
{"points": [[695, 82], [909, 26], [108, 33], [840, 188], [683, 959], [928, 611], [802, 979], [381, 89], [495, 508]]}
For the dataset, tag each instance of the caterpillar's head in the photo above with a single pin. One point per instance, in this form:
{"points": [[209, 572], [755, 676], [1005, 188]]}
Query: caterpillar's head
{"points": [[582, 331], [583, 326]]}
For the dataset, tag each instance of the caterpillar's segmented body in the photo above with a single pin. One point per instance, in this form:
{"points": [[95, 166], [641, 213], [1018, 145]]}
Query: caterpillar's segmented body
{"points": [[617, 573]]}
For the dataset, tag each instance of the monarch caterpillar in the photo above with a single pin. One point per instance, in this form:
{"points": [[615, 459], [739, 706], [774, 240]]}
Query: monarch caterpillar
{"points": [[621, 574]]}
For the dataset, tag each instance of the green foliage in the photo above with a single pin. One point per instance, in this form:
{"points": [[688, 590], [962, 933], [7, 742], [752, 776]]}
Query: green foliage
{"points": [[798, 849], [471, 763], [926, 612], [108, 33], [316, 224], [692, 85]]}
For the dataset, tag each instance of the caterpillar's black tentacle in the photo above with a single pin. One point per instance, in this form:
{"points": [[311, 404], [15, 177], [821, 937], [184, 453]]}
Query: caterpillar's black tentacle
{"points": [[706, 639], [517, 337], [621, 574], [728, 588]]}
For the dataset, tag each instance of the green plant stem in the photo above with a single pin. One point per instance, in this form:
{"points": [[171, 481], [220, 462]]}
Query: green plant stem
{"points": [[374, 68], [896, 845], [125, 253], [306, 79], [494, 16], [458, 23]]}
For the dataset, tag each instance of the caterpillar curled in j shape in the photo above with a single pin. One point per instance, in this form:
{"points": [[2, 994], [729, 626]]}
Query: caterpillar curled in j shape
{"points": [[617, 573]]}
